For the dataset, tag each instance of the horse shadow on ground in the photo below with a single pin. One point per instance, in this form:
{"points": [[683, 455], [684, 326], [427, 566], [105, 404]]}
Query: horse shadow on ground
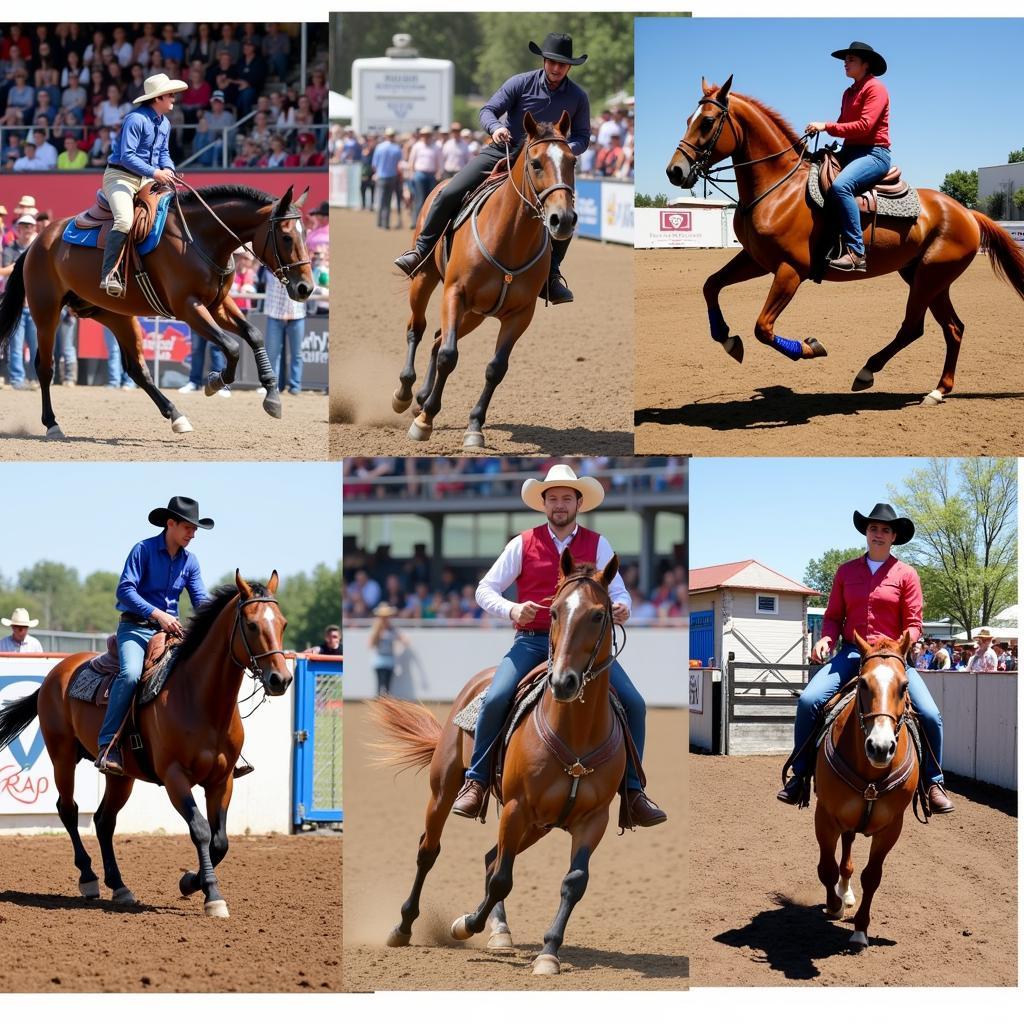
{"points": [[55, 901], [568, 440], [780, 406], [792, 937], [999, 799], [579, 959]]}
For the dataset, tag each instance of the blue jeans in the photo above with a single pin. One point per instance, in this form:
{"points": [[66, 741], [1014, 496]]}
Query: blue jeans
{"points": [[422, 184], [65, 347], [132, 641], [116, 376], [24, 333], [387, 188], [836, 674], [286, 364], [217, 359], [863, 166], [528, 652]]}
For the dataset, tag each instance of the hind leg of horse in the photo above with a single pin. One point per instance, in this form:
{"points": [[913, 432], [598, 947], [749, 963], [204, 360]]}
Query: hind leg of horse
{"points": [[115, 796], [233, 320], [845, 888], [511, 331], [827, 834], [447, 358], [953, 331], [64, 760], [784, 285], [420, 290], [217, 800], [870, 878], [742, 267]]}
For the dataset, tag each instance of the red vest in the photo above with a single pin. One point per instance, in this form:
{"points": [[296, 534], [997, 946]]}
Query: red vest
{"points": [[538, 577]]}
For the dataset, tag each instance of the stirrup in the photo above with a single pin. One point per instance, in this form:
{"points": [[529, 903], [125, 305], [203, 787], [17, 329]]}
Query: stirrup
{"points": [[113, 285]]}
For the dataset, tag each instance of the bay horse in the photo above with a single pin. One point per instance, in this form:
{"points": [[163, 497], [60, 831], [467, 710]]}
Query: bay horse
{"points": [[192, 732], [497, 267], [865, 776], [779, 232], [192, 272], [536, 783]]}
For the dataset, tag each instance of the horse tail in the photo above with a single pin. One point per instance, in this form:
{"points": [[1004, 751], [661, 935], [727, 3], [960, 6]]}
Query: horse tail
{"points": [[11, 304], [412, 733], [15, 715], [1006, 257]]}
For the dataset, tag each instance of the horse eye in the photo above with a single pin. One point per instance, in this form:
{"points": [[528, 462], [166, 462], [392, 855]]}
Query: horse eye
{"points": [[597, 617], [706, 124], [251, 626], [536, 165]]}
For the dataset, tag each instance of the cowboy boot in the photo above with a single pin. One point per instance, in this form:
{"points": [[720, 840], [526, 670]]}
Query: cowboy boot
{"points": [[470, 799], [940, 802], [791, 791], [642, 810], [850, 261], [410, 262], [555, 290], [109, 761], [109, 281]]}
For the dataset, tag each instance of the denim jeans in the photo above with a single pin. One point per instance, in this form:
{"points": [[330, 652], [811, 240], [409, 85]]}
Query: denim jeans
{"points": [[423, 183], [116, 376], [286, 364], [837, 673], [217, 359], [65, 355], [386, 189], [863, 166], [528, 652], [24, 334], [132, 641]]}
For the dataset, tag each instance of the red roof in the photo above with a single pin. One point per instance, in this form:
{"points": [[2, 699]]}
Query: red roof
{"points": [[714, 576]]}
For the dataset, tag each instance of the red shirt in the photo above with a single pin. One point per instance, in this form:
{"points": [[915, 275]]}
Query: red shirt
{"points": [[883, 604], [864, 118], [538, 577]]}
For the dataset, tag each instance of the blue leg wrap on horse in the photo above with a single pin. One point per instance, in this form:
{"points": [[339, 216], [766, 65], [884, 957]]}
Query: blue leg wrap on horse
{"points": [[719, 328], [787, 346]]}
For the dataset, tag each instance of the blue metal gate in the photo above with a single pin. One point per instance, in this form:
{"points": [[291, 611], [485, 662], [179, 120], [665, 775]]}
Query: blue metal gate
{"points": [[702, 636], [318, 743]]}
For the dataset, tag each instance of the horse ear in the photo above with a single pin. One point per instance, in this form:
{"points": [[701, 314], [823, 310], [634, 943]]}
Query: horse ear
{"points": [[862, 645], [302, 198], [723, 93], [566, 564], [272, 582], [243, 588], [704, 87], [565, 124], [530, 124], [609, 572], [285, 203], [905, 642]]}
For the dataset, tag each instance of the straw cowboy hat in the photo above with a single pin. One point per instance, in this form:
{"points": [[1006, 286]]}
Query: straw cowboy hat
{"points": [[587, 487], [184, 510], [20, 618], [160, 85], [385, 610], [882, 513], [984, 633]]}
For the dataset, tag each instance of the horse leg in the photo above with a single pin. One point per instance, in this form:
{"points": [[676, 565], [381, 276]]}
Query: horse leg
{"points": [[827, 834], [217, 800], [232, 319], [509, 333], [46, 321], [742, 267], [115, 796], [214, 325], [881, 843], [64, 758], [428, 380], [422, 287], [845, 889], [447, 358], [128, 332], [500, 935], [953, 331], [783, 288]]}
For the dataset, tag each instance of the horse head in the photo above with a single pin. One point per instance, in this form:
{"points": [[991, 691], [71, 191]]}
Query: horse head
{"points": [[581, 626], [705, 142], [281, 245], [549, 172], [259, 635], [882, 700]]}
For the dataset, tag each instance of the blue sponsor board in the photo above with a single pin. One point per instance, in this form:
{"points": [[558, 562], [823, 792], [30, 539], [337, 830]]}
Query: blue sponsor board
{"points": [[588, 208]]}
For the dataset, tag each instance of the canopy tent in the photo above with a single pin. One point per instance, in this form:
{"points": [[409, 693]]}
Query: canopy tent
{"points": [[340, 108]]}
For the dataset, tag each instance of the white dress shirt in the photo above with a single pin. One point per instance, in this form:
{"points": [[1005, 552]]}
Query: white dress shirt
{"points": [[30, 645]]}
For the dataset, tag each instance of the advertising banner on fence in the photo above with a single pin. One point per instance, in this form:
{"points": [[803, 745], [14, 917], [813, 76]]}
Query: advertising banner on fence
{"points": [[588, 207], [617, 211], [683, 227], [697, 691]]}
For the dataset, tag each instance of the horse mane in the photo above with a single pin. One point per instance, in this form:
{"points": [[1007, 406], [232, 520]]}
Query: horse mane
{"points": [[203, 618], [773, 115], [245, 192]]}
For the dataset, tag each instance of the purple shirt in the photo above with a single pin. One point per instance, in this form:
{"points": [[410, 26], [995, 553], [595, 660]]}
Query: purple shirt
{"points": [[530, 92]]}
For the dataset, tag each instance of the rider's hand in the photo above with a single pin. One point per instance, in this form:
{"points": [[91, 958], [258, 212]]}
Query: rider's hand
{"points": [[821, 649], [164, 176], [168, 623], [620, 613], [523, 614], [502, 135], [814, 127]]}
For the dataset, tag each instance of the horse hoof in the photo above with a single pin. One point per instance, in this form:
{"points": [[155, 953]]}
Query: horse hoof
{"points": [[213, 384], [500, 939], [54, 433], [864, 379], [272, 404], [90, 890], [181, 425], [188, 883], [216, 908], [124, 897], [816, 347], [733, 346], [459, 929], [397, 937], [835, 915], [546, 964], [400, 404], [473, 439], [420, 431], [858, 941], [935, 397]]}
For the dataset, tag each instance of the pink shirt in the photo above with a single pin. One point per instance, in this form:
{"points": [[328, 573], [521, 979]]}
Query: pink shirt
{"points": [[883, 604], [864, 118]]}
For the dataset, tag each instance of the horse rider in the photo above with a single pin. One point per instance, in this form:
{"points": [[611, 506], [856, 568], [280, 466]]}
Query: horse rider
{"points": [[138, 155], [863, 126], [546, 93], [875, 595], [531, 561]]}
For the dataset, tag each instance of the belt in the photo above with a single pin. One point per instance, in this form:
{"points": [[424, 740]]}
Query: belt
{"points": [[137, 620], [124, 170], [531, 632]]}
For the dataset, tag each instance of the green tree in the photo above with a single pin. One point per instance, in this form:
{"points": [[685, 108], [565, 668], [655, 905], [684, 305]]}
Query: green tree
{"points": [[994, 205], [1016, 156], [962, 186], [1018, 198], [965, 547], [820, 572], [55, 590], [641, 200]]}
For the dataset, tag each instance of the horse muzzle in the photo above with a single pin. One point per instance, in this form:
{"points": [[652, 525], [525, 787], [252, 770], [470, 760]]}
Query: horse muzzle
{"points": [[880, 746], [561, 223], [300, 290], [566, 686], [276, 683], [681, 172]]}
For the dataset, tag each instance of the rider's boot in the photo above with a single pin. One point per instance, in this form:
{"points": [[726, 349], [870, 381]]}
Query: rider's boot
{"points": [[110, 282], [850, 261], [110, 761], [430, 234], [791, 791], [937, 797], [555, 290], [470, 800], [642, 810]]}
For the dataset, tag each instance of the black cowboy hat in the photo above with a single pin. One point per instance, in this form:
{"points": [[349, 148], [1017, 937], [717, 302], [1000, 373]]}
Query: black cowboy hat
{"points": [[875, 60], [882, 513], [185, 510], [557, 46]]}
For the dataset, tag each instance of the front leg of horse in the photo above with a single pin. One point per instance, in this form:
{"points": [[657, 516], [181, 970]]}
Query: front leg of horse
{"points": [[217, 800], [232, 319], [741, 267], [499, 885], [783, 288], [499, 935], [115, 796], [870, 878], [402, 398], [447, 358], [827, 834], [180, 792]]}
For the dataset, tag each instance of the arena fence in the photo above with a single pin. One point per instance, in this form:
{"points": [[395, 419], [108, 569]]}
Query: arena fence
{"points": [[318, 741]]}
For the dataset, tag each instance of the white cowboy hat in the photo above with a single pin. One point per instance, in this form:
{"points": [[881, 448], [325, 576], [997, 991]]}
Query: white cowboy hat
{"points": [[563, 476], [159, 85], [385, 610], [20, 618]]}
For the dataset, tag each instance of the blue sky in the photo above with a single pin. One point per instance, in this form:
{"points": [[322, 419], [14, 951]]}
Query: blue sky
{"points": [[954, 85], [784, 512], [284, 516]]}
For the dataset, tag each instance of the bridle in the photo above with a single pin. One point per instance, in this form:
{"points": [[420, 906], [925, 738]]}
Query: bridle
{"points": [[863, 718], [536, 205], [253, 666]]}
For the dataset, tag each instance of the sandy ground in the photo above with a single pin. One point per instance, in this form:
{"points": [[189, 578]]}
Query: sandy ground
{"points": [[284, 933], [945, 913], [125, 426], [626, 932], [692, 398], [568, 388]]}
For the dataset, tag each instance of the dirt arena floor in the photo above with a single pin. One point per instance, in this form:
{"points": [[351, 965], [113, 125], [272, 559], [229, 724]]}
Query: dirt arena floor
{"points": [[692, 398], [945, 913], [626, 932], [125, 426], [569, 383], [284, 933]]}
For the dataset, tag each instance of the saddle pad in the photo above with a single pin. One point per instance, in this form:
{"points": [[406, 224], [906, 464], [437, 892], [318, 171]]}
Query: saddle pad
{"points": [[833, 714], [89, 237], [88, 680], [908, 206], [467, 718]]}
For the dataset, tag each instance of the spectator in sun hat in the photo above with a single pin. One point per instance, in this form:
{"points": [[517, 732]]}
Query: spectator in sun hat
{"points": [[19, 642], [308, 155], [320, 233], [985, 660]]}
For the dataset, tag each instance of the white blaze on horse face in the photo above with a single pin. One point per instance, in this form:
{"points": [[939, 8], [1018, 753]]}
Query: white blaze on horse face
{"points": [[571, 606], [268, 615], [882, 735], [557, 157]]}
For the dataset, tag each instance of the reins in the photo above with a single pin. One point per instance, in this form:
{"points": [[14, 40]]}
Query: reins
{"points": [[253, 666]]}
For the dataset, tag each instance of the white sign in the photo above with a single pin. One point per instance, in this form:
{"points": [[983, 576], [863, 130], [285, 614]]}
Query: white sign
{"points": [[1015, 229], [617, 211], [684, 227], [697, 691], [403, 93]]}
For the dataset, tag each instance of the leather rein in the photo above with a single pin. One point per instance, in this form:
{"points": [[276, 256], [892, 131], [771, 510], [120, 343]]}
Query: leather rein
{"points": [[536, 205], [253, 666]]}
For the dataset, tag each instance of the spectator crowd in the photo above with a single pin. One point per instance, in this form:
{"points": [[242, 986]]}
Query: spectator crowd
{"points": [[982, 654]]}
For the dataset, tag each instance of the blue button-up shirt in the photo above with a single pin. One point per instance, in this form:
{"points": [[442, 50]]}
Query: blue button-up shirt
{"points": [[530, 92], [141, 144], [153, 581], [385, 160]]}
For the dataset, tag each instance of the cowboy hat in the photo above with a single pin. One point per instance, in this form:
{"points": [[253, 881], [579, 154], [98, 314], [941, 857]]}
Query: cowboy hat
{"points": [[557, 47], [20, 618], [185, 510], [984, 633], [882, 513], [876, 62], [587, 487], [385, 610], [159, 85]]}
